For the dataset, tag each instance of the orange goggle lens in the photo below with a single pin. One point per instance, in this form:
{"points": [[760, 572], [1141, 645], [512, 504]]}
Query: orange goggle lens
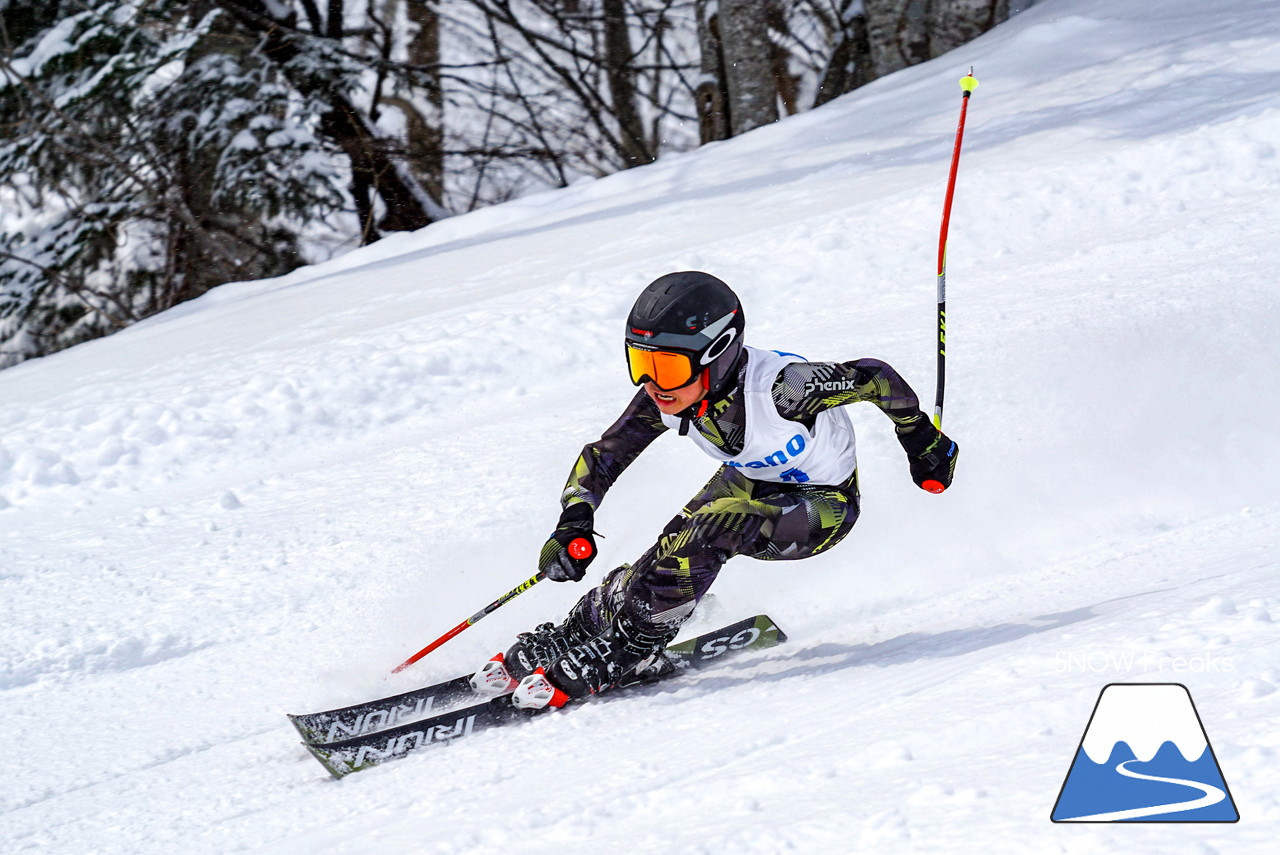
{"points": [[668, 370]]}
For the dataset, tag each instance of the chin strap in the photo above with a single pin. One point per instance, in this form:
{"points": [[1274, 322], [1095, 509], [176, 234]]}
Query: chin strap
{"points": [[685, 418], [689, 413]]}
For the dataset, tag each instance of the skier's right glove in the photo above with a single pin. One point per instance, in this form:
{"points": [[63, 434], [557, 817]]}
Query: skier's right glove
{"points": [[932, 456], [571, 547]]}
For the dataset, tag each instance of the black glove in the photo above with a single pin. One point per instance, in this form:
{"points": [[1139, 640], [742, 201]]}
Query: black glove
{"points": [[571, 547], [932, 456]]}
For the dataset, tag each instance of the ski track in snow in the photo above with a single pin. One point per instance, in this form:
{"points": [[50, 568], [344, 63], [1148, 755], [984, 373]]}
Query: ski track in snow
{"points": [[263, 500]]}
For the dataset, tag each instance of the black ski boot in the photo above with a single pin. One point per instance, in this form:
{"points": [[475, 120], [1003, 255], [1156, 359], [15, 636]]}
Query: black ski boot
{"points": [[596, 665], [532, 651], [547, 643], [544, 645], [589, 617]]}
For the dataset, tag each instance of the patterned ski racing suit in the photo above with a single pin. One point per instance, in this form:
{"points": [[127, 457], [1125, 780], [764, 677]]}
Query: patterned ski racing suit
{"points": [[733, 514]]}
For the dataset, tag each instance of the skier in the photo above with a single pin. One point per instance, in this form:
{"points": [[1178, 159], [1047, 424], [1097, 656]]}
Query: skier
{"points": [[787, 487]]}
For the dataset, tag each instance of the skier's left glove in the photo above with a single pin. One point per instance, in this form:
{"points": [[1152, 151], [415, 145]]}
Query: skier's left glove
{"points": [[932, 456], [571, 547]]}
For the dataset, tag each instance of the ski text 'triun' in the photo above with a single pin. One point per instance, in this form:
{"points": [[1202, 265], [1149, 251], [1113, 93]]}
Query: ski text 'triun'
{"points": [[415, 739]]}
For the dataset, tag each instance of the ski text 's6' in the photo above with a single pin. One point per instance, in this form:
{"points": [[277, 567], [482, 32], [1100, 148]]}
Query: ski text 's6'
{"points": [[719, 646]]}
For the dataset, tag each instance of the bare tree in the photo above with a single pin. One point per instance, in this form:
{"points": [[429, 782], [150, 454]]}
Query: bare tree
{"points": [[897, 34], [786, 81], [619, 71], [425, 127], [956, 22], [598, 66], [711, 94], [748, 65], [849, 65]]}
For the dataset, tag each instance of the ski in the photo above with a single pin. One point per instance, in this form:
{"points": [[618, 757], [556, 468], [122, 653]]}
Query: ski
{"points": [[344, 756], [346, 722]]}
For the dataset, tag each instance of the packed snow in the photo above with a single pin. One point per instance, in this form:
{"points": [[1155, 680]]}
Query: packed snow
{"points": [[261, 501]]}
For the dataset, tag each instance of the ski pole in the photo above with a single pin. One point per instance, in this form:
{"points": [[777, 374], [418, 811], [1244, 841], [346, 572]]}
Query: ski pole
{"points": [[968, 83], [489, 609]]}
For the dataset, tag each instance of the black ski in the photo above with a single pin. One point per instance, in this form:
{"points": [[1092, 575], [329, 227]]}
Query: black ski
{"points": [[346, 722], [342, 757]]}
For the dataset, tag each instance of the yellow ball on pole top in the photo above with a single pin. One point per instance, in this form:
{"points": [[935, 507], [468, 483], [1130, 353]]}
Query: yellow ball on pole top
{"points": [[969, 83]]}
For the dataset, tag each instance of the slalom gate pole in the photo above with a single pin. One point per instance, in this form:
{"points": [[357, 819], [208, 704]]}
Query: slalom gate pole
{"points": [[968, 83], [475, 618]]}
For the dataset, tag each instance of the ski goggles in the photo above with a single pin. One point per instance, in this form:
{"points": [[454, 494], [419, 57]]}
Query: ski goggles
{"points": [[668, 369]]}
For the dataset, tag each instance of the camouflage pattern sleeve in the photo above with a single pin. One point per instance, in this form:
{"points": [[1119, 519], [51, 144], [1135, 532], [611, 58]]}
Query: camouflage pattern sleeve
{"points": [[602, 461], [804, 389]]}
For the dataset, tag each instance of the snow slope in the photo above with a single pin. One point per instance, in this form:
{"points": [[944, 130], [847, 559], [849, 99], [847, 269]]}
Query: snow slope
{"points": [[262, 500]]}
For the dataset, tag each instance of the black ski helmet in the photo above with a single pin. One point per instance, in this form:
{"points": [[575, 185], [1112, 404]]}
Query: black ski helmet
{"points": [[690, 313]]}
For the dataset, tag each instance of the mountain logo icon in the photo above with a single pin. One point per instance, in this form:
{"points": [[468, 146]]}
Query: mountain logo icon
{"points": [[1145, 757]]}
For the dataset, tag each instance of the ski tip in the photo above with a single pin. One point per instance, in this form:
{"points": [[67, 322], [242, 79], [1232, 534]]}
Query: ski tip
{"points": [[307, 734], [337, 769], [767, 626]]}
